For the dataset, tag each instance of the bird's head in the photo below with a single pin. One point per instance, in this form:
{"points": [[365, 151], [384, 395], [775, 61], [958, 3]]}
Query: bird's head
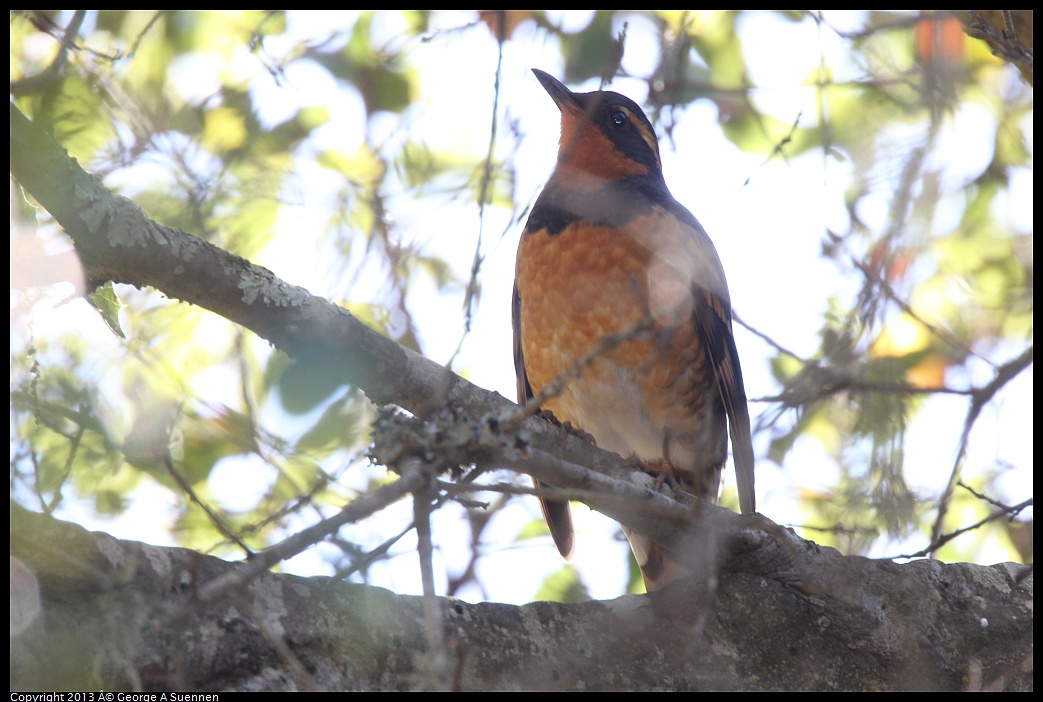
{"points": [[602, 133]]}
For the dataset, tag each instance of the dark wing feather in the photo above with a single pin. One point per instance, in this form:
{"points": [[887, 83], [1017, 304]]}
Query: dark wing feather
{"points": [[713, 318], [714, 321], [556, 512]]}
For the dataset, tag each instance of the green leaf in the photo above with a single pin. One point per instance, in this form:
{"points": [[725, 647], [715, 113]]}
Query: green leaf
{"points": [[564, 585], [107, 302], [303, 386]]}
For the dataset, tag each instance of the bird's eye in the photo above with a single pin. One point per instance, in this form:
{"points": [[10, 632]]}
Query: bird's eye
{"points": [[619, 118]]}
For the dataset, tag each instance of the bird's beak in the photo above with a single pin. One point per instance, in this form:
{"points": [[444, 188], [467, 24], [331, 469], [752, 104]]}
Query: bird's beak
{"points": [[564, 98]]}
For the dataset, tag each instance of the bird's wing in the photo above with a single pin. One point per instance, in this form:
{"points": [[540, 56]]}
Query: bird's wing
{"points": [[714, 322], [556, 512]]}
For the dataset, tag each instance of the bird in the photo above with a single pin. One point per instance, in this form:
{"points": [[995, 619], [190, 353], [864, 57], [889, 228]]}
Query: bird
{"points": [[612, 268]]}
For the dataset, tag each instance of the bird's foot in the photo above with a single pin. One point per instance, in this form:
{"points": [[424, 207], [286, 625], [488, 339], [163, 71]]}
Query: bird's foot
{"points": [[566, 428], [662, 477]]}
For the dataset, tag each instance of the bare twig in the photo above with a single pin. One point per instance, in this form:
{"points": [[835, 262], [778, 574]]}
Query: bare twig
{"points": [[50, 75], [979, 398], [938, 541], [557, 386], [215, 590], [437, 662], [476, 264], [215, 519]]}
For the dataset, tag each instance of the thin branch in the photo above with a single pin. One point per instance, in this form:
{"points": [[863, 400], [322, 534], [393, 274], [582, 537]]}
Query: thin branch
{"points": [[943, 334], [557, 386], [979, 398], [984, 498], [436, 664], [158, 15], [476, 264], [215, 519], [52, 74], [214, 590], [900, 23], [373, 555], [938, 541]]}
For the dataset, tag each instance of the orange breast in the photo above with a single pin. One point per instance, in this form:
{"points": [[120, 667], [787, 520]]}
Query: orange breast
{"points": [[653, 396]]}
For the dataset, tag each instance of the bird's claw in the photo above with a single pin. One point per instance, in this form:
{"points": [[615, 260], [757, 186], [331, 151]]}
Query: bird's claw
{"points": [[566, 428]]}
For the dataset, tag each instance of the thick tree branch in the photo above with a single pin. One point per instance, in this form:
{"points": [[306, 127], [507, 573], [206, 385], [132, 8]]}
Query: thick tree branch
{"points": [[117, 614], [117, 241], [1007, 32]]}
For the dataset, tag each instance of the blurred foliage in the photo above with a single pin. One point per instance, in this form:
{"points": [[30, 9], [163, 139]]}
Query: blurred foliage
{"points": [[175, 110]]}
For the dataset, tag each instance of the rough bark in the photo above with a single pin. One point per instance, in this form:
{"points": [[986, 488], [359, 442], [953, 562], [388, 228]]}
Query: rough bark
{"points": [[120, 614]]}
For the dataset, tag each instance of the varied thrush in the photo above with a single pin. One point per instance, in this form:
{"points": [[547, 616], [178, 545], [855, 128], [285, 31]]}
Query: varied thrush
{"points": [[609, 254]]}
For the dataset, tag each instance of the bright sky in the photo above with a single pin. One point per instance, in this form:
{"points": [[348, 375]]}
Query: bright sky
{"points": [[768, 233]]}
